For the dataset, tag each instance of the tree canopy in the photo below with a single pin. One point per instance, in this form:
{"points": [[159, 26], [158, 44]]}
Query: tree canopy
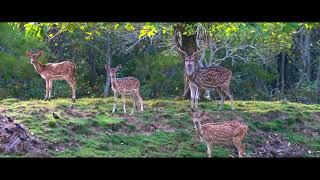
{"points": [[269, 60]]}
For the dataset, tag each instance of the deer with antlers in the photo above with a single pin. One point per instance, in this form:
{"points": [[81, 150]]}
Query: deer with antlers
{"points": [[214, 134], [209, 78], [54, 71], [124, 86]]}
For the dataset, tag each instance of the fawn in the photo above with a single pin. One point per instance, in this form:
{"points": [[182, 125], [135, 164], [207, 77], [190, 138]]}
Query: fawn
{"points": [[124, 86], [54, 71], [220, 133]]}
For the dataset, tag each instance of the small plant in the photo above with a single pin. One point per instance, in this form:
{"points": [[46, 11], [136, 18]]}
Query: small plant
{"points": [[52, 124]]}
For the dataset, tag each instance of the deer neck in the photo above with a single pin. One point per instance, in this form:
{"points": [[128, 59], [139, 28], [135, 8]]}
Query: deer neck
{"points": [[199, 128], [38, 67], [114, 82], [193, 75]]}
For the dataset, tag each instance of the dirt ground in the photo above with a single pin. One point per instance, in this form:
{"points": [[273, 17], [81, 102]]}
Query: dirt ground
{"points": [[15, 138]]}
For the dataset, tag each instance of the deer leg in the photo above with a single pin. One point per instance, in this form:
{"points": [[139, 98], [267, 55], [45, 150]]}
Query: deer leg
{"points": [[209, 149], [47, 89], [196, 97], [50, 88], [192, 96], [140, 100], [242, 149], [236, 141], [73, 84], [222, 98], [124, 103], [226, 90], [115, 102], [74, 88], [134, 102]]}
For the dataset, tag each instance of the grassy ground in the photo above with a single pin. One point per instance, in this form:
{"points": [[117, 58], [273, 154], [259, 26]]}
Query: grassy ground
{"points": [[164, 129]]}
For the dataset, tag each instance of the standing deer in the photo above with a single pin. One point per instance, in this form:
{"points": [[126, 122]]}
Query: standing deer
{"points": [[209, 78], [124, 86], [54, 71], [213, 134]]}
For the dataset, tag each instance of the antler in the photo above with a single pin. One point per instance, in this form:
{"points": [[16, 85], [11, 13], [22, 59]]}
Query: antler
{"points": [[176, 43], [205, 46], [198, 51], [178, 46]]}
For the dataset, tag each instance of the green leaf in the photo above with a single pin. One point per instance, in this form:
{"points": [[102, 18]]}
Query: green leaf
{"points": [[98, 33], [142, 33], [164, 30], [116, 26], [89, 33], [129, 27]]}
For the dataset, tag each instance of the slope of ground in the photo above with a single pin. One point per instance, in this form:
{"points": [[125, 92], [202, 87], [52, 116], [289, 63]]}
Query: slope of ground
{"points": [[164, 129]]}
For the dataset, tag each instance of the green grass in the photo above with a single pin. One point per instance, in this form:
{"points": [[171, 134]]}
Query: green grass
{"points": [[104, 120], [89, 130]]}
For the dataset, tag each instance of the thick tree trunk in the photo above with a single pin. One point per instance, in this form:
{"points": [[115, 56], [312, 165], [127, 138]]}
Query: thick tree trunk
{"points": [[189, 45], [106, 87], [282, 71], [305, 57]]}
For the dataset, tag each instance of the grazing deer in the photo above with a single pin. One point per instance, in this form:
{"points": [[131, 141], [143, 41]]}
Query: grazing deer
{"points": [[124, 86], [220, 133], [210, 78], [54, 71]]}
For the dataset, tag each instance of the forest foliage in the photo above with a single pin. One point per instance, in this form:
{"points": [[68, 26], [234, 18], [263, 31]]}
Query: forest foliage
{"points": [[269, 61]]}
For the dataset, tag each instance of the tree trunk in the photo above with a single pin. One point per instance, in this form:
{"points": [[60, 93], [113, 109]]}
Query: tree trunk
{"points": [[318, 80], [305, 57], [108, 61], [93, 70], [282, 71], [189, 45]]}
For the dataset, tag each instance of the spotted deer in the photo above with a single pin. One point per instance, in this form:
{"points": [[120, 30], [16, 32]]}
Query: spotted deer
{"points": [[127, 86], [209, 78], [220, 133], [54, 71]]}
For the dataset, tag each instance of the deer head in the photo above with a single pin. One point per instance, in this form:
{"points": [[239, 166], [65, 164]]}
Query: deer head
{"points": [[112, 71], [34, 57], [196, 118], [189, 60]]}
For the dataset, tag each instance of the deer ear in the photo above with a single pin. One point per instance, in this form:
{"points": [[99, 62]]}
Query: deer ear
{"points": [[28, 53], [39, 53], [106, 66]]}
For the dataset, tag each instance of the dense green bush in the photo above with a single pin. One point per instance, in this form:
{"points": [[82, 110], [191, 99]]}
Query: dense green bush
{"points": [[161, 75]]}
